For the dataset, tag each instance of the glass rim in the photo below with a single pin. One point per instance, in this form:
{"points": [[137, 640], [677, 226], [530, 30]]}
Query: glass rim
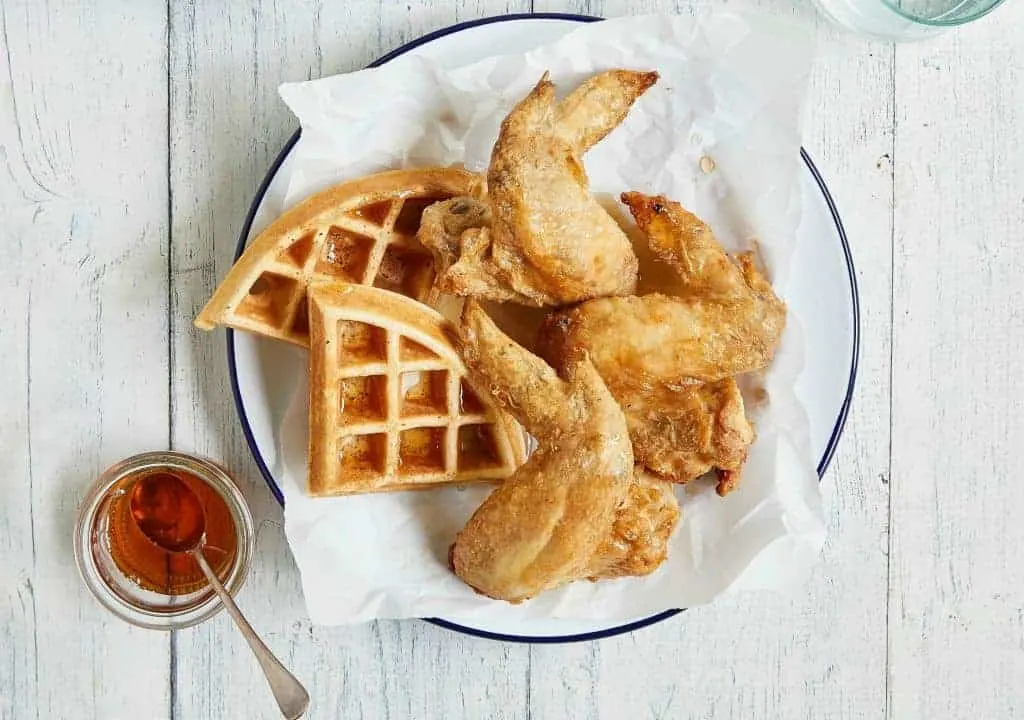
{"points": [[88, 569], [937, 23]]}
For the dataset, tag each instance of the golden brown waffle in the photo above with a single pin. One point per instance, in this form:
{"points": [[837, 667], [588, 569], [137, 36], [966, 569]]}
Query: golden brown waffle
{"points": [[363, 231], [390, 406]]}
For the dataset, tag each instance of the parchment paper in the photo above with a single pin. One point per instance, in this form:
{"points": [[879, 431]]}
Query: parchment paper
{"points": [[731, 90]]}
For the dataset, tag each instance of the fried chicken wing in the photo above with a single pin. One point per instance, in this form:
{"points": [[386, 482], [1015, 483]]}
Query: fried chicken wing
{"points": [[727, 319], [681, 434], [543, 526], [670, 360], [539, 237], [598, 106], [638, 541]]}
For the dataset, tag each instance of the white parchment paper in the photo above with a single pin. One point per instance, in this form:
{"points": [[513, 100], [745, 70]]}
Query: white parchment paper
{"points": [[731, 90]]}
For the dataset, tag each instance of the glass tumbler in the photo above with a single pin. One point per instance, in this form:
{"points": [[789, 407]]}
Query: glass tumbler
{"points": [[904, 19]]}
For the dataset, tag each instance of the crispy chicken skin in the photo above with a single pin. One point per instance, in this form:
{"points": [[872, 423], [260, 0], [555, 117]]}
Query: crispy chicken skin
{"points": [[539, 237], [727, 319], [644, 522], [682, 434], [543, 526], [670, 360]]}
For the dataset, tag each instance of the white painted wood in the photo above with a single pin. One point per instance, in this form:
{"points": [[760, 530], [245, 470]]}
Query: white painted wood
{"points": [[83, 332], [85, 192], [957, 580]]}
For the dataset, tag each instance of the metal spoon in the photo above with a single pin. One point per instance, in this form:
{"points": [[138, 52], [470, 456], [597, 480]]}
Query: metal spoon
{"points": [[171, 516]]}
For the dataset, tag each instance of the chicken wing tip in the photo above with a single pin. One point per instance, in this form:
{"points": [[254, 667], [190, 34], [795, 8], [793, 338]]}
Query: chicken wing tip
{"points": [[645, 79], [637, 201]]}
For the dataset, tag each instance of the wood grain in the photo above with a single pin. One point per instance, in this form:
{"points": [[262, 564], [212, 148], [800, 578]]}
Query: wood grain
{"points": [[131, 143], [956, 621], [83, 320]]}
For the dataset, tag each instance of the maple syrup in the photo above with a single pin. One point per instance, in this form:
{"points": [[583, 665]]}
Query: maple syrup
{"points": [[156, 569], [132, 576]]}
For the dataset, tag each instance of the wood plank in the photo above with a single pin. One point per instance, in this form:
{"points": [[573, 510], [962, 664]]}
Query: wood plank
{"points": [[764, 655], [956, 624], [227, 124], [83, 324]]}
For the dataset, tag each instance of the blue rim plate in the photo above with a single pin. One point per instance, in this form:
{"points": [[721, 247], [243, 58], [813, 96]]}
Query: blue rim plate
{"points": [[829, 448]]}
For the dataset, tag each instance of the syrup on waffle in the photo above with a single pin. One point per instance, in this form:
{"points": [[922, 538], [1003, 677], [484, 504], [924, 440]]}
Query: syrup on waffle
{"points": [[390, 406], [363, 231]]}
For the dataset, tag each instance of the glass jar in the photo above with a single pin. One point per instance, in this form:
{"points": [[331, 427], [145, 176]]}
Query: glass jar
{"points": [[112, 556]]}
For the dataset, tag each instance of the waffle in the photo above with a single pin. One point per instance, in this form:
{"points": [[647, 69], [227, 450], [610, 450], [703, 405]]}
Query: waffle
{"points": [[363, 231], [390, 406]]}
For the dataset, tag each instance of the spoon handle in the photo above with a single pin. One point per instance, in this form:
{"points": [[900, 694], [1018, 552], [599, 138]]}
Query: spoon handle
{"points": [[291, 696]]}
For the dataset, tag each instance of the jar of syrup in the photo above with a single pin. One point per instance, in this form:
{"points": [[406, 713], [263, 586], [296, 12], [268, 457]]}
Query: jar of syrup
{"points": [[142, 583]]}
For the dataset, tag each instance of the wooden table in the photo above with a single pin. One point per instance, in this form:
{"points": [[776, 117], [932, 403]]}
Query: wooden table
{"points": [[132, 138]]}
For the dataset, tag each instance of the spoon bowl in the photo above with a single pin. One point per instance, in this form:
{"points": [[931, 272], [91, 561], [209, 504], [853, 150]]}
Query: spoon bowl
{"points": [[168, 513]]}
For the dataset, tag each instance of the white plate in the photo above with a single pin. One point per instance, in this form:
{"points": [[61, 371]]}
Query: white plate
{"points": [[822, 289]]}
